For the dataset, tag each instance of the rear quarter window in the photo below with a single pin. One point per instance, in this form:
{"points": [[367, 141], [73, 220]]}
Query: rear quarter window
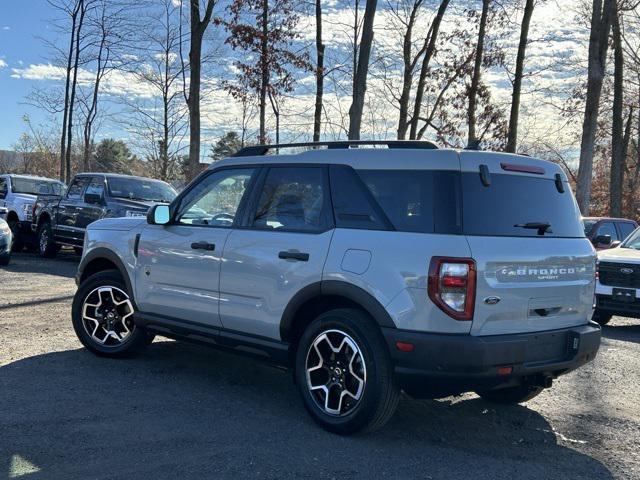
{"points": [[512, 200]]}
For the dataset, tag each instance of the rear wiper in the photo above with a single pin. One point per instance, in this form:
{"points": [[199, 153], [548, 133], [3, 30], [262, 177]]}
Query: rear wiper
{"points": [[542, 228]]}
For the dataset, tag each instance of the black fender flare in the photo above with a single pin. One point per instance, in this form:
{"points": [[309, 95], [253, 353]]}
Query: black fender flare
{"points": [[111, 256], [338, 288]]}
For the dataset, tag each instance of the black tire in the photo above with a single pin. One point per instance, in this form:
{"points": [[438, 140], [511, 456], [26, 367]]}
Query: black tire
{"points": [[511, 395], [601, 317], [5, 259], [379, 395], [137, 338], [17, 244], [47, 248]]}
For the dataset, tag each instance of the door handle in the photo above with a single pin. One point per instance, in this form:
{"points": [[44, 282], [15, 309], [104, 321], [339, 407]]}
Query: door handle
{"points": [[300, 256], [203, 246]]}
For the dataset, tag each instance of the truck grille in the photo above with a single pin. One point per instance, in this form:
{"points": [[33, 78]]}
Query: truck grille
{"points": [[612, 274]]}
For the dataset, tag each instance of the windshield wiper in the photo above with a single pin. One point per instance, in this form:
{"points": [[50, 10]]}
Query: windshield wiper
{"points": [[541, 227]]}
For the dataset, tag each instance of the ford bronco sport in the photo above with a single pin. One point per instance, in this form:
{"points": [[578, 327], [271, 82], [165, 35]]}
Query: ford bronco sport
{"points": [[366, 270]]}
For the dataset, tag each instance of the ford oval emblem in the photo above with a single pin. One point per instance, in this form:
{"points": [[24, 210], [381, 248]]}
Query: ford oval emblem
{"points": [[491, 300], [626, 271]]}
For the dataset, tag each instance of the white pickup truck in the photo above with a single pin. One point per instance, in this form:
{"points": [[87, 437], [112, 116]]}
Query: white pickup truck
{"points": [[618, 286], [18, 195]]}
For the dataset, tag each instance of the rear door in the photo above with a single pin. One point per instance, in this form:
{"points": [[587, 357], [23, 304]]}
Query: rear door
{"points": [[535, 267], [280, 250]]}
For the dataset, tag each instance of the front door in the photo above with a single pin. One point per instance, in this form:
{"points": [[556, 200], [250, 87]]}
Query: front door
{"points": [[281, 249], [178, 268], [93, 206], [68, 213]]}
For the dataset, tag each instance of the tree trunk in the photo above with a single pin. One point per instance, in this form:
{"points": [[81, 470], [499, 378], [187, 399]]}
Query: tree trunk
{"points": [[422, 80], [598, 44], [198, 29], [617, 133], [512, 137], [72, 97], [317, 114], [264, 67], [63, 137], [475, 79], [407, 72], [360, 81]]}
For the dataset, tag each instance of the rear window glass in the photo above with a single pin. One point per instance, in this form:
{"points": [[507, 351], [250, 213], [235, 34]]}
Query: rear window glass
{"points": [[423, 201], [513, 200]]}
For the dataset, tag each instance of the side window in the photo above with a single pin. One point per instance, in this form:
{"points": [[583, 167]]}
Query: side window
{"points": [[77, 187], [352, 204], [626, 229], [4, 188], [215, 200], [607, 228], [293, 198], [96, 187]]}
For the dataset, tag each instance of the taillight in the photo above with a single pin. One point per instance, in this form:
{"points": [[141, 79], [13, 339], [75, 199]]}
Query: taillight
{"points": [[597, 270], [452, 286]]}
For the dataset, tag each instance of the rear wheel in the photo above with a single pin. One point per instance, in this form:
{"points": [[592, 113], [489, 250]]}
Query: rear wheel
{"points": [[46, 245], [601, 318], [344, 372], [511, 395], [102, 316]]}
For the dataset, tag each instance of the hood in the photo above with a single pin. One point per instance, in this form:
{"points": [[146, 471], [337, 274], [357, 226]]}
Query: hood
{"points": [[619, 254], [123, 224]]}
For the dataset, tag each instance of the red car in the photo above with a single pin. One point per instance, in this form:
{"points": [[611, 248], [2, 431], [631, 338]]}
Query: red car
{"points": [[605, 232]]}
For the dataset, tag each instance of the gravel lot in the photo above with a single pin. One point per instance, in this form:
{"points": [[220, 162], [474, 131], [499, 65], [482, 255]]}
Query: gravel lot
{"points": [[184, 411]]}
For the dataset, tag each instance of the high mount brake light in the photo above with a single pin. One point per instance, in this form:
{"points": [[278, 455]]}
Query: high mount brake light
{"points": [[452, 286], [512, 167]]}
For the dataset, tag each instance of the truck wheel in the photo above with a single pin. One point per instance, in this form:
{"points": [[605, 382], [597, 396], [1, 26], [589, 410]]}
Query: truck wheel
{"points": [[5, 259], [601, 318], [344, 372], [15, 231], [511, 395], [46, 246], [102, 315]]}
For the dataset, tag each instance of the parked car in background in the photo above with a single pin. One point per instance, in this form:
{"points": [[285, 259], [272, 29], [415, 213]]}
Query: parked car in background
{"points": [[366, 270], [3, 213], [62, 220], [618, 285], [18, 194], [6, 239], [605, 232]]}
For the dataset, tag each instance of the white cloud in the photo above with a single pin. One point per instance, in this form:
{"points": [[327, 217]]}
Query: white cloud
{"points": [[6, 28], [3, 64]]}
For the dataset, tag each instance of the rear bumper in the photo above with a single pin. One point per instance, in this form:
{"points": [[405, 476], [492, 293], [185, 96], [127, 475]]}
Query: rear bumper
{"points": [[449, 364], [607, 304]]}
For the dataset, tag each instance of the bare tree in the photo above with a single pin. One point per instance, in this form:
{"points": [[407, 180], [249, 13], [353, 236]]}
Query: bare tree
{"points": [[320, 47], [362, 70], [475, 79], [198, 29], [617, 133], [601, 18], [512, 138]]}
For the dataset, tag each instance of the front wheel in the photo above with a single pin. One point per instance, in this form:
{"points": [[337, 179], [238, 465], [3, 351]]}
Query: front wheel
{"points": [[46, 245], [102, 315], [17, 244], [344, 372], [511, 395]]}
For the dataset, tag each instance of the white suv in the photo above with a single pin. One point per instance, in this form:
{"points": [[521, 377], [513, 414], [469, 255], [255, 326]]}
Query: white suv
{"points": [[365, 270]]}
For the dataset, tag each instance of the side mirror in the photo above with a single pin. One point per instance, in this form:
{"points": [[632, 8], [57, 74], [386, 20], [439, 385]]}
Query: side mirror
{"points": [[615, 244], [93, 198], [602, 240], [158, 215]]}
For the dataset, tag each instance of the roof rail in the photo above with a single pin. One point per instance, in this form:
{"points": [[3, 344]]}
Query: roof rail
{"points": [[259, 150]]}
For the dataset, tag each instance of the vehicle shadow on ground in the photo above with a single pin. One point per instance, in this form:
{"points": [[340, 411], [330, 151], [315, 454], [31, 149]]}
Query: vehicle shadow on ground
{"points": [[625, 333], [182, 411], [63, 265]]}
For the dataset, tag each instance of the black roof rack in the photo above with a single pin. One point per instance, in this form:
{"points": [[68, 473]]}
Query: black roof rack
{"points": [[259, 150]]}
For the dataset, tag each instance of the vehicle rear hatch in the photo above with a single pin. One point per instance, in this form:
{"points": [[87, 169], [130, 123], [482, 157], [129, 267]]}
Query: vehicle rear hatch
{"points": [[535, 268]]}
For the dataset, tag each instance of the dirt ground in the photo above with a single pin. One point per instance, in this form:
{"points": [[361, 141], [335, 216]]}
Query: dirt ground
{"points": [[184, 411]]}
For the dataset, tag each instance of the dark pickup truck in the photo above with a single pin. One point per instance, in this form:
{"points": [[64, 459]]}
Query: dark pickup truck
{"points": [[62, 220]]}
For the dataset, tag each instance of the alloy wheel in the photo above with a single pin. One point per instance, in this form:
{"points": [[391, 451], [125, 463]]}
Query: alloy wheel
{"points": [[336, 372], [107, 316]]}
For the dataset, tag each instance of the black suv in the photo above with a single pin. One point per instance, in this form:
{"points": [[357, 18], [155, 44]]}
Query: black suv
{"points": [[62, 220]]}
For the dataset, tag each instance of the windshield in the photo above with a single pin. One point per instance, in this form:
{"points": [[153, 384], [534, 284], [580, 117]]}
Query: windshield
{"points": [[633, 241], [588, 225], [141, 189], [34, 186]]}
